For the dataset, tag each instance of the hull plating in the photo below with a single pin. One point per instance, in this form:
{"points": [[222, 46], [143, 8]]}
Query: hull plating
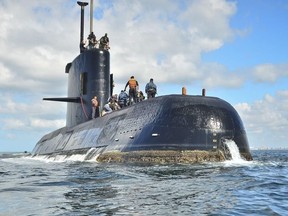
{"points": [[172, 122]]}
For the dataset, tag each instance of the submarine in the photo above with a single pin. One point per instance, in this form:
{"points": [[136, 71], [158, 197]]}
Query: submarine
{"points": [[177, 128]]}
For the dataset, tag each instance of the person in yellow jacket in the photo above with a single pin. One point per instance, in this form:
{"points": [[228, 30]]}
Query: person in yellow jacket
{"points": [[133, 85]]}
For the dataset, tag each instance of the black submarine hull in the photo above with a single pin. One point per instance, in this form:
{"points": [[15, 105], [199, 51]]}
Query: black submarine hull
{"points": [[172, 122]]}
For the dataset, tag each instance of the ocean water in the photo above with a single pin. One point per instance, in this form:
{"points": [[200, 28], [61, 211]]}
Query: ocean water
{"points": [[74, 187]]}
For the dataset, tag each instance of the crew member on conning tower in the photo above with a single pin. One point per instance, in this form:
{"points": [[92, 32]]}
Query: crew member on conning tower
{"points": [[92, 41], [104, 42]]}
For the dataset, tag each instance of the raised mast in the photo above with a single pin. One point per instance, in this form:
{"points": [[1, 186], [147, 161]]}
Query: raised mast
{"points": [[82, 5], [91, 16]]}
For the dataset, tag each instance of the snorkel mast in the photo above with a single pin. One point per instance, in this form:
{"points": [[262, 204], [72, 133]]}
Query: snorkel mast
{"points": [[82, 5], [91, 16]]}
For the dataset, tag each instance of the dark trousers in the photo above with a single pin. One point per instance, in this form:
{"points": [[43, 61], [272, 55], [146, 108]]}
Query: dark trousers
{"points": [[151, 93], [95, 112], [132, 94]]}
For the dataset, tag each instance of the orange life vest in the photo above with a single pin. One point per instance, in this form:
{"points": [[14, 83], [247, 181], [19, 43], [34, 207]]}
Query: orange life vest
{"points": [[132, 83]]}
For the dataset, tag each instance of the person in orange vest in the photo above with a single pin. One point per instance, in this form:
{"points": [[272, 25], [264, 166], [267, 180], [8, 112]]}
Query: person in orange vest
{"points": [[133, 84]]}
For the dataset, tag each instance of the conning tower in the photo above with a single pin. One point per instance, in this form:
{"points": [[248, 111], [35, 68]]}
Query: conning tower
{"points": [[88, 76]]}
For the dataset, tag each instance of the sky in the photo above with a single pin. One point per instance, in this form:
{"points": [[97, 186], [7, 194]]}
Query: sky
{"points": [[235, 49]]}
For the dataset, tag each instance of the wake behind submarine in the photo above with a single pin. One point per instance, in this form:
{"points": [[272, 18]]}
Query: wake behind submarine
{"points": [[174, 128]]}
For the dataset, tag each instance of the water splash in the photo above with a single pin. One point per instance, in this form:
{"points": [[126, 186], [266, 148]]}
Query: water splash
{"points": [[233, 149], [89, 156], [236, 158]]}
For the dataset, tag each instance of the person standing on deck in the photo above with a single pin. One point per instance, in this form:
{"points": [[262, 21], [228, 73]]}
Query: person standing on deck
{"points": [[133, 85], [151, 89], [95, 111]]}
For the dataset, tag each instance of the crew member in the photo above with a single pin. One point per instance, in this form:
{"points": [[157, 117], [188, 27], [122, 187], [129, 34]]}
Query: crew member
{"points": [[82, 46], [141, 96], [122, 99], [104, 42], [133, 84], [114, 103], [106, 109], [151, 89], [92, 42], [95, 110]]}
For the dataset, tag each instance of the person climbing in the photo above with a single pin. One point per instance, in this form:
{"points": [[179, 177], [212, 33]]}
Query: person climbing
{"points": [[122, 99], [82, 46], [114, 102], [151, 89], [106, 109], [140, 96], [95, 109], [133, 84], [104, 42]]}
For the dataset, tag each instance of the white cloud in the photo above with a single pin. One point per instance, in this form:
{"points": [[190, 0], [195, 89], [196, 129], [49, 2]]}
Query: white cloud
{"points": [[13, 124], [270, 72], [6, 76], [52, 124], [216, 75], [266, 120], [36, 116], [200, 26]]}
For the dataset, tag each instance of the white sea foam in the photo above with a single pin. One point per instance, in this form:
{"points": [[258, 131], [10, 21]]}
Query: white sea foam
{"points": [[236, 159], [90, 156]]}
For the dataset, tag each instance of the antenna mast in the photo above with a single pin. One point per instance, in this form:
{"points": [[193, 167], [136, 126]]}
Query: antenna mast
{"points": [[91, 16], [82, 5]]}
